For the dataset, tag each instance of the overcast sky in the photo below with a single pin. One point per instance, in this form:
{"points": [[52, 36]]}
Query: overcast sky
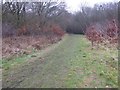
{"points": [[74, 5]]}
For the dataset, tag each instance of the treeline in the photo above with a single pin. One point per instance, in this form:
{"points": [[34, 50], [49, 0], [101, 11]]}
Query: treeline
{"points": [[88, 16], [46, 17], [30, 17]]}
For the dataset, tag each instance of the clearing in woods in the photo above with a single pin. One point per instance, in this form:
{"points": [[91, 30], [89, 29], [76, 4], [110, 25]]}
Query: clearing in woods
{"points": [[70, 63]]}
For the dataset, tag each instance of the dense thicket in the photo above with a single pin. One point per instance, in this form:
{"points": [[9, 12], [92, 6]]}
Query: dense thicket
{"points": [[30, 17], [88, 16], [38, 17]]}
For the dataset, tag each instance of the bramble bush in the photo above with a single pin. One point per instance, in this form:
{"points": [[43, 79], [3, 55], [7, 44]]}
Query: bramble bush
{"points": [[56, 29], [108, 36]]}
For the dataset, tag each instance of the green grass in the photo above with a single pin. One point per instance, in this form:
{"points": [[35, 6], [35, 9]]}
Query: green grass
{"points": [[98, 63], [71, 64]]}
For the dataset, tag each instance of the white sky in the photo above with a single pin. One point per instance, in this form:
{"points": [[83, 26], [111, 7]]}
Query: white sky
{"points": [[74, 5]]}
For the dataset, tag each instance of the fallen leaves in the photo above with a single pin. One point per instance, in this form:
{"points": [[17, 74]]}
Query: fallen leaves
{"points": [[26, 44]]}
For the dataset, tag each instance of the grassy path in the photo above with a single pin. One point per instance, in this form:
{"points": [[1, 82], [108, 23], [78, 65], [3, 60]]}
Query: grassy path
{"points": [[71, 63]]}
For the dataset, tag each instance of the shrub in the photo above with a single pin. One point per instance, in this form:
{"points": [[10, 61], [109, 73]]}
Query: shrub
{"points": [[109, 35], [56, 29]]}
